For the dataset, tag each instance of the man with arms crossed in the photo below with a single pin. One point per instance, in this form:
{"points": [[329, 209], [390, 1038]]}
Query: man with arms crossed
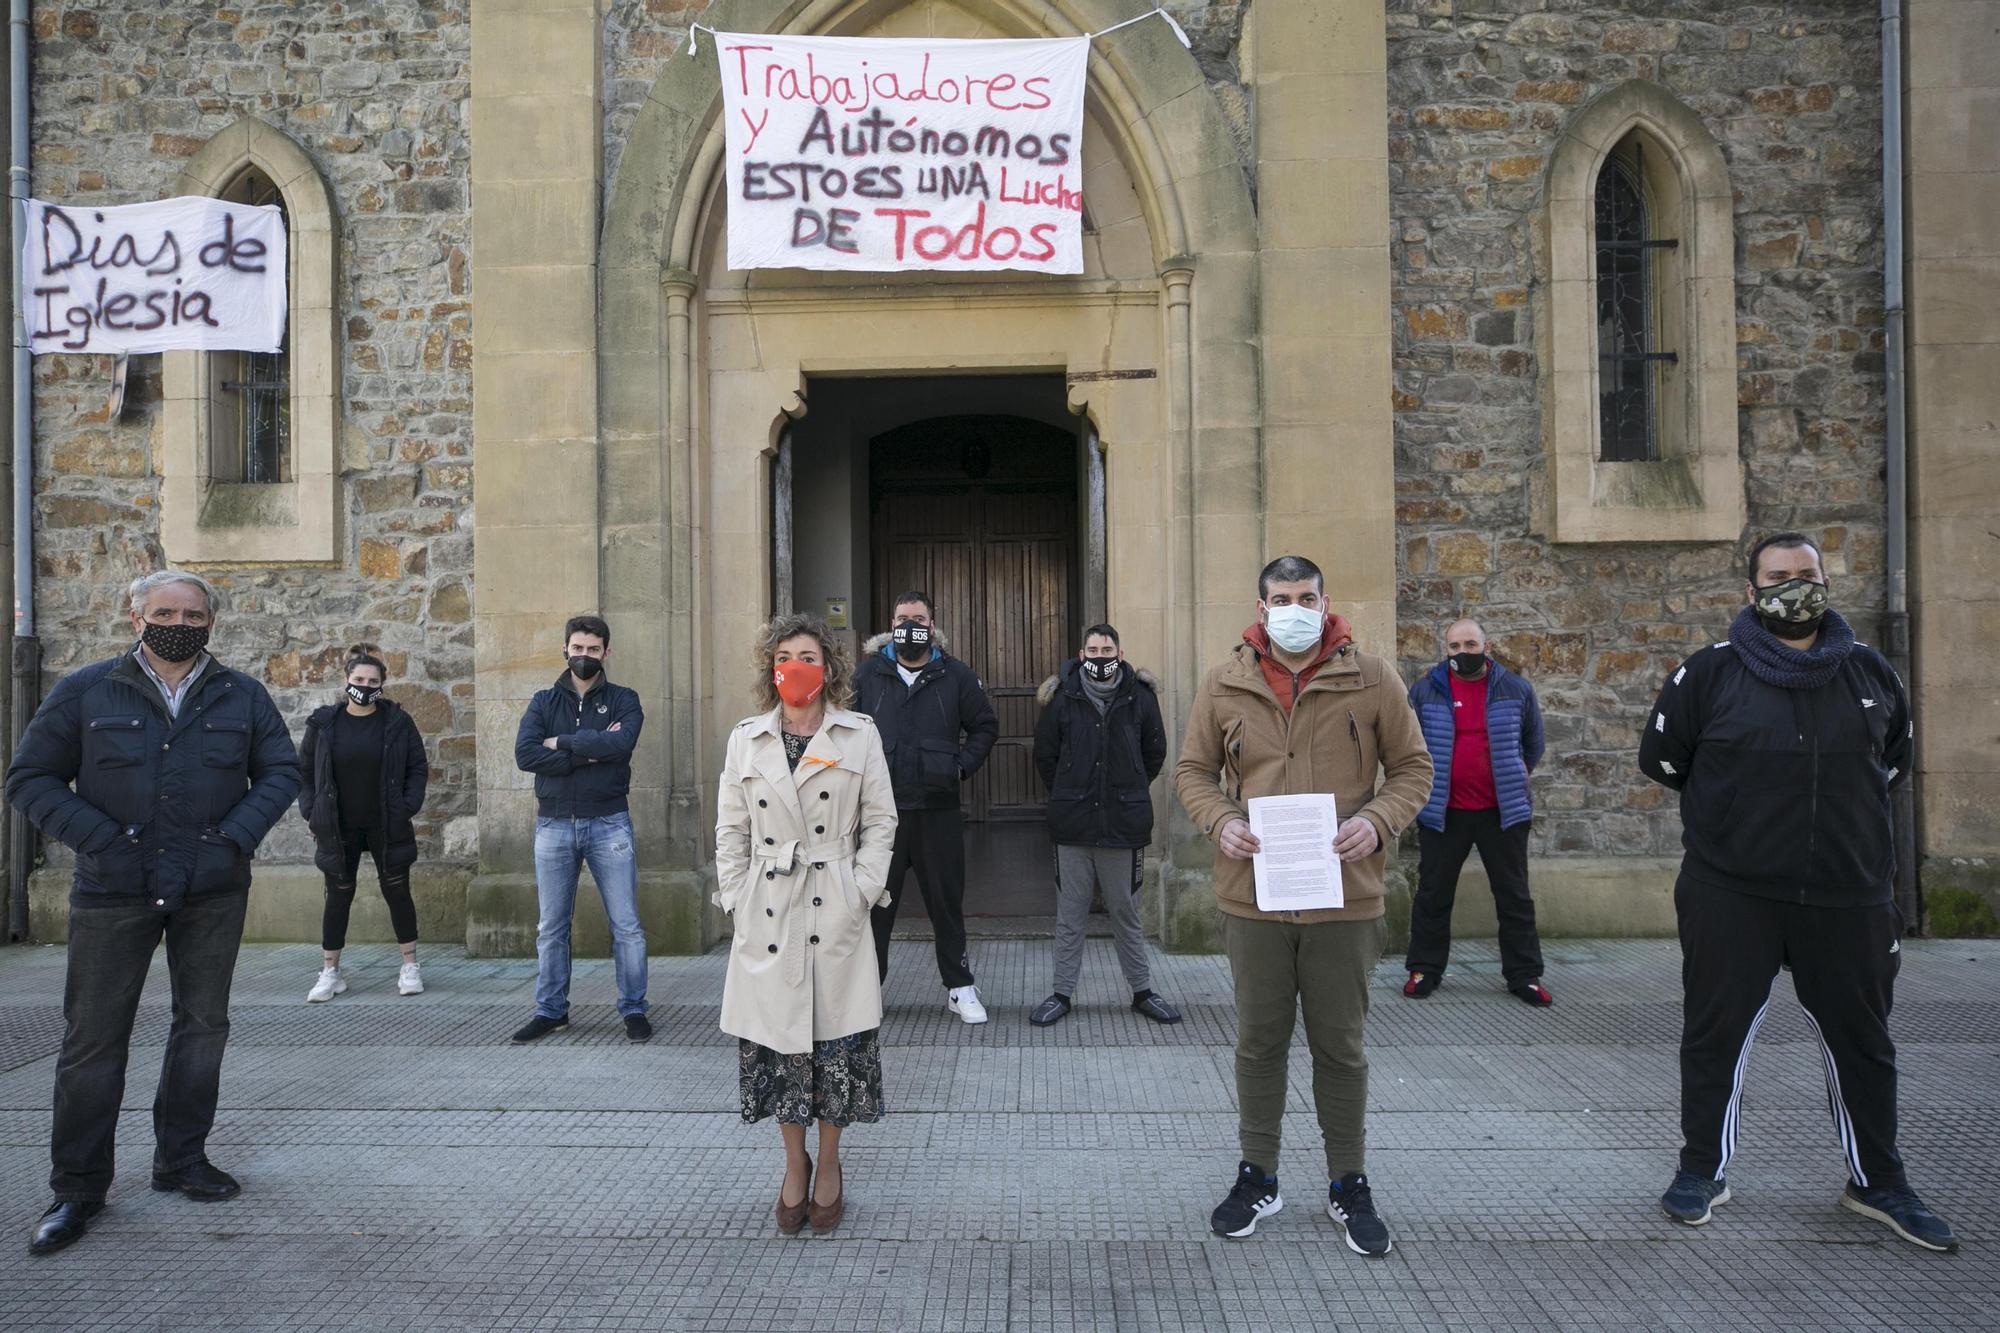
{"points": [[577, 738]]}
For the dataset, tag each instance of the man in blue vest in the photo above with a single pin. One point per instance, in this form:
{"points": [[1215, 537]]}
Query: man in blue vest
{"points": [[1483, 728]]}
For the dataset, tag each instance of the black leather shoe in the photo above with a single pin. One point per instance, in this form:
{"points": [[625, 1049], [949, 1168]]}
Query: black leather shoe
{"points": [[541, 1025], [204, 1182], [62, 1225]]}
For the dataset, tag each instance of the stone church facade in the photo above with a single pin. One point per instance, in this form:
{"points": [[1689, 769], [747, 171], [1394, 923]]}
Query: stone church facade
{"points": [[1343, 295]]}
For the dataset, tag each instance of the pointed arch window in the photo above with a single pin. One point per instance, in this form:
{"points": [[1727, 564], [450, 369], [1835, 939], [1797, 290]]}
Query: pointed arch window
{"points": [[248, 439], [250, 393], [1631, 355], [1635, 328]]}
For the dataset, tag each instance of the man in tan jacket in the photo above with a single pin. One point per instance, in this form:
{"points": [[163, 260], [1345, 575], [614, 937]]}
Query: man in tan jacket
{"points": [[1299, 709]]}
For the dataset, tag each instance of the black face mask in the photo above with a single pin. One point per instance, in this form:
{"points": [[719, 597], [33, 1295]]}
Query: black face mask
{"points": [[364, 695], [175, 643], [913, 641], [1468, 665], [1103, 670], [585, 667]]}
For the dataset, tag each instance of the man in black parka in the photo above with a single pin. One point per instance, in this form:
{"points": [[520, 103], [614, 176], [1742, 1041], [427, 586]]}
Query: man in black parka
{"points": [[1783, 742], [937, 727], [162, 770], [1099, 744]]}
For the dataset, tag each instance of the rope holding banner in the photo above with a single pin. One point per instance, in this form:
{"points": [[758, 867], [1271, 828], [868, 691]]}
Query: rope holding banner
{"points": [[1161, 10], [696, 29]]}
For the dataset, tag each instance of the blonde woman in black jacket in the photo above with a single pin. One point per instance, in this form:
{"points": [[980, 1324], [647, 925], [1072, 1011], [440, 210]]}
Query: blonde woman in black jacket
{"points": [[364, 774]]}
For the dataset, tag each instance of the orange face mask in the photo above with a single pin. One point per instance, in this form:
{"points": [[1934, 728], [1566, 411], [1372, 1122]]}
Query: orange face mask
{"points": [[799, 683]]}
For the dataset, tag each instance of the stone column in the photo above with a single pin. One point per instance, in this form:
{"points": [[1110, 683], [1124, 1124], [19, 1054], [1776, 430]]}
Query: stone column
{"points": [[535, 160], [1953, 168], [1319, 75]]}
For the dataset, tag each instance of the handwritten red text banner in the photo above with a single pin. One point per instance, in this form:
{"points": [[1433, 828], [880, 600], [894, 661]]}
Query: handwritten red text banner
{"points": [[857, 153], [187, 273]]}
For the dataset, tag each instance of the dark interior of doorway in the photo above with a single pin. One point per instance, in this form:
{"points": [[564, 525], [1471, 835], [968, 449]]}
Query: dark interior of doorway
{"points": [[976, 490]]}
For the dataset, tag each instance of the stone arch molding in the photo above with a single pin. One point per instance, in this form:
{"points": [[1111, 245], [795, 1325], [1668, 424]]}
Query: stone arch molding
{"points": [[1152, 100], [206, 519], [1694, 491]]}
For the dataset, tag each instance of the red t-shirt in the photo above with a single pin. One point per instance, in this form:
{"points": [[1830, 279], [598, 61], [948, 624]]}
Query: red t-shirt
{"points": [[1471, 756]]}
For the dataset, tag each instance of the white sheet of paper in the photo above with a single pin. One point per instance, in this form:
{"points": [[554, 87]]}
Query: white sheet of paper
{"points": [[1297, 870]]}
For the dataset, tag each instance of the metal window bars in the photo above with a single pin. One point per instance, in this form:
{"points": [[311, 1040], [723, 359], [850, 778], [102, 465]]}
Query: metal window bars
{"points": [[1628, 363]]}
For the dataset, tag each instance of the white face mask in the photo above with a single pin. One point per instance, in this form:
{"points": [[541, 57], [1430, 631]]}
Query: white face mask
{"points": [[1294, 628]]}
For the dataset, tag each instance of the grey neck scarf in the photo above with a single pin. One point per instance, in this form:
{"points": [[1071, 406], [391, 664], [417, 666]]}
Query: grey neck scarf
{"points": [[1101, 693]]}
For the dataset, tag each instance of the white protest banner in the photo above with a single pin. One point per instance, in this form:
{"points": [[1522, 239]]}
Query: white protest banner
{"points": [[176, 274], [906, 153]]}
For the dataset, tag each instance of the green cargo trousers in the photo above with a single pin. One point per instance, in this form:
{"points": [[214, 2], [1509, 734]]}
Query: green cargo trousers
{"points": [[1280, 966]]}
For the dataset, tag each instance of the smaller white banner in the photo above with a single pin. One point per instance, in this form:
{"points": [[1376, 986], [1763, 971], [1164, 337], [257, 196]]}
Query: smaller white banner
{"points": [[187, 274], [937, 154], [1296, 867]]}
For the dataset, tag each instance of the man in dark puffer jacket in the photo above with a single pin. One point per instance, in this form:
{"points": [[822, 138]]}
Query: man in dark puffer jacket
{"points": [[937, 727], [163, 770], [1783, 742], [1099, 744]]}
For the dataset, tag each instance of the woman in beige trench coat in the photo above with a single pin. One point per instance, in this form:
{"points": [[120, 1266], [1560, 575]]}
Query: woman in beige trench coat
{"points": [[805, 824]]}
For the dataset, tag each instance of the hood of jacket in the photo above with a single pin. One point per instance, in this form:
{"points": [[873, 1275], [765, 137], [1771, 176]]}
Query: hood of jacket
{"points": [[1066, 678]]}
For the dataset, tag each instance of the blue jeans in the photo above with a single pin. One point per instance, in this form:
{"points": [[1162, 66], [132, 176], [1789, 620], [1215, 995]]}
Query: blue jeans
{"points": [[561, 848], [111, 943]]}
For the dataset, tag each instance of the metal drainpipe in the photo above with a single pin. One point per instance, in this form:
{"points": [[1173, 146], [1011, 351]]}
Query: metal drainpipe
{"points": [[1896, 613], [27, 664]]}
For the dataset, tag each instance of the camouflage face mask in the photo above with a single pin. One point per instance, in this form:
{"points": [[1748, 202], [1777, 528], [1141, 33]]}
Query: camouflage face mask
{"points": [[1793, 608]]}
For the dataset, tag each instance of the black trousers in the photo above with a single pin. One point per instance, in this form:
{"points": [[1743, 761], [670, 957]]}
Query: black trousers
{"points": [[111, 943], [932, 843], [1504, 853], [1844, 962], [340, 892]]}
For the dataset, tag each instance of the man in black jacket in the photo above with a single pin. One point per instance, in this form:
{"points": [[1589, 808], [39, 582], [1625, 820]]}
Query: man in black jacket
{"points": [[1099, 744], [937, 727], [577, 738], [1783, 742], [163, 770]]}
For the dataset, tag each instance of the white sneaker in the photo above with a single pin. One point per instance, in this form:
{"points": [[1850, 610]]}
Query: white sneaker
{"points": [[964, 1001], [410, 981], [330, 984]]}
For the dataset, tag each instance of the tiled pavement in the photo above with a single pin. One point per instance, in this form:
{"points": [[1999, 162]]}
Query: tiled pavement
{"points": [[406, 1169]]}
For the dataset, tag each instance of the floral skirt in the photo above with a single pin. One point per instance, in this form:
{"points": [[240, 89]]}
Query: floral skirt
{"points": [[838, 1082]]}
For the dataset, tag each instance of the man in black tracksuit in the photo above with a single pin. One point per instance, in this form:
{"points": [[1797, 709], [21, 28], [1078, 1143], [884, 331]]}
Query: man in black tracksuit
{"points": [[937, 727], [1783, 742]]}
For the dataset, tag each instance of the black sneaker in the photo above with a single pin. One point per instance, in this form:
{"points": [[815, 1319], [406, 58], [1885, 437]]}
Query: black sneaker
{"points": [[1351, 1203], [1052, 1010], [1690, 1198], [1903, 1213], [1152, 1006], [638, 1028], [1421, 984], [541, 1025], [1252, 1198], [1534, 993]]}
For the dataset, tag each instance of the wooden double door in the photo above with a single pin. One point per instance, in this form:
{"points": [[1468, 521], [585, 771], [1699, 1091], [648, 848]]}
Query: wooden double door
{"points": [[999, 561]]}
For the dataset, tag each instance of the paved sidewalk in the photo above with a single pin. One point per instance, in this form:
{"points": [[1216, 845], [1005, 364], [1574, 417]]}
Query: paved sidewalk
{"points": [[405, 1168]]}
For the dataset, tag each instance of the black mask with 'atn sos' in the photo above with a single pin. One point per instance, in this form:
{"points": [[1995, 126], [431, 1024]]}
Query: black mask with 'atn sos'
{"points": [[364, 695], [1103, 670], [913, 641]]}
